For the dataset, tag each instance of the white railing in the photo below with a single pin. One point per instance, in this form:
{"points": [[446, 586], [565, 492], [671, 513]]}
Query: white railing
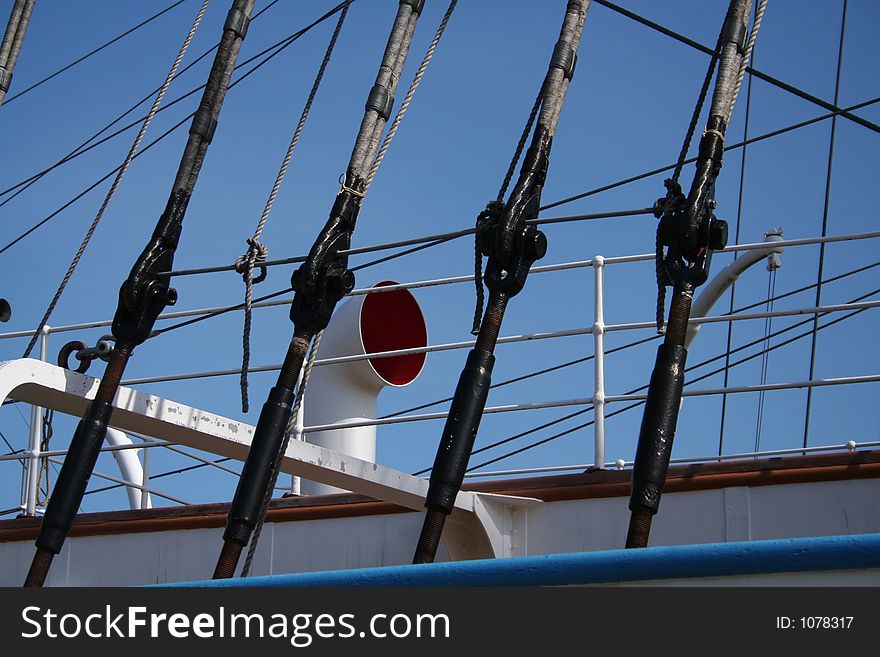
{"points": [[599, 400]]}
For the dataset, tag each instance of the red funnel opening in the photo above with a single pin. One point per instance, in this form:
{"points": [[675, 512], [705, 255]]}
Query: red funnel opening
{"points": [[391, 321]]}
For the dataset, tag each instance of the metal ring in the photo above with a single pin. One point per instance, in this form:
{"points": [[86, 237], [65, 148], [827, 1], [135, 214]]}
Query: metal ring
{"points": [[68, 349]]}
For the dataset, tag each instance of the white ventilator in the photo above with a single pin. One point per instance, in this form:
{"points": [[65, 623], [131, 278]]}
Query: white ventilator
{"points": [[347, 392]]}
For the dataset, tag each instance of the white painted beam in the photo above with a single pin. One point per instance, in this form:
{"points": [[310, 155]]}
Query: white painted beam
{"points": [[36, 382]]}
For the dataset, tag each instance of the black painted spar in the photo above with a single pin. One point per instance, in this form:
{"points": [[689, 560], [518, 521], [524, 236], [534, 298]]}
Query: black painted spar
{"points": [[143, 296], [689, 232], [512, 246]]}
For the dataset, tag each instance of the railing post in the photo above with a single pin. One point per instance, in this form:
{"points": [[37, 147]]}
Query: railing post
{"points": [[298, 426], [145, 479], [32, 471], [599, 362]]}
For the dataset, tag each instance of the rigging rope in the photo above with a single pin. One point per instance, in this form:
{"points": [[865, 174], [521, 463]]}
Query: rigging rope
{"points": [[120, 173], [143, 296], [257, 252], [498, 206], [407, 99], [660, 270], [745, 142], [358, 162], [322, 281], [87, 145], [13, 38], [800, 93]]}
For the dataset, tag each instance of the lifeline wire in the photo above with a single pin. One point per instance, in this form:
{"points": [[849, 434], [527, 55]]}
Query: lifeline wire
{"points": [[574, 362], [120, 173], [700, 378]]}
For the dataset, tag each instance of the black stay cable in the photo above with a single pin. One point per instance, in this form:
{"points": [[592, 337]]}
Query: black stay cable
{"points": [[738, 145], [95, 51], [278, 49], [800, 93], [88, 144], [142, 298]]}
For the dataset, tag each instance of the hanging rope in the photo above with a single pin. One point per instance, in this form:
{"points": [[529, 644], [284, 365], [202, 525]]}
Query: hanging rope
{"points": [[257, 252], [417, 79], [45, 438], [120, 173], [291, 426]]}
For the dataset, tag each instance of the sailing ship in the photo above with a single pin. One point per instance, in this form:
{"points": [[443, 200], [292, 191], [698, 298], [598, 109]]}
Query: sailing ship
{"points": [[775, 444]]}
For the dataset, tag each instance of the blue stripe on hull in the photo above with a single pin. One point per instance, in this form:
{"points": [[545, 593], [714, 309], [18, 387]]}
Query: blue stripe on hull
{"points": [[674, 562]]}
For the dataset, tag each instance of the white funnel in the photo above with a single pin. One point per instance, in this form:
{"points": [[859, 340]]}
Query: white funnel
{"points": [[347, 392]]}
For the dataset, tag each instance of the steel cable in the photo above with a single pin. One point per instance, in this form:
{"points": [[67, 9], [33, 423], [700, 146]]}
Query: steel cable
{"points": [[120, 173]]}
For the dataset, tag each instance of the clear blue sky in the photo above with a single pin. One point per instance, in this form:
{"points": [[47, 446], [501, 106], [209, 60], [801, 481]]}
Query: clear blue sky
{"points": [[626, 113]]}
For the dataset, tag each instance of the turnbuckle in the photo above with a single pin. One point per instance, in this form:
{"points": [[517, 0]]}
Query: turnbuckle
{"points": [[688, 254], [324, 278]]}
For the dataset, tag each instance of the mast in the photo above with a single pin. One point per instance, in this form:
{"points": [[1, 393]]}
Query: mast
{"points": [[143, 296], [13, 38]]}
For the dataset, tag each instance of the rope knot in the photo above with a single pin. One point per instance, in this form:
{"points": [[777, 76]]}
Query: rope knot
{"points": [[257, 254]]}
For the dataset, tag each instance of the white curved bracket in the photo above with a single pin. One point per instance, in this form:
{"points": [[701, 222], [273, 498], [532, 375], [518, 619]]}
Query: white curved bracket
{"points": [[489, 522], [729, 275]]}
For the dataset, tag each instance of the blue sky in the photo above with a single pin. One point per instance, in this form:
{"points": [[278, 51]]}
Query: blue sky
{"points": [[626, 113]]}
